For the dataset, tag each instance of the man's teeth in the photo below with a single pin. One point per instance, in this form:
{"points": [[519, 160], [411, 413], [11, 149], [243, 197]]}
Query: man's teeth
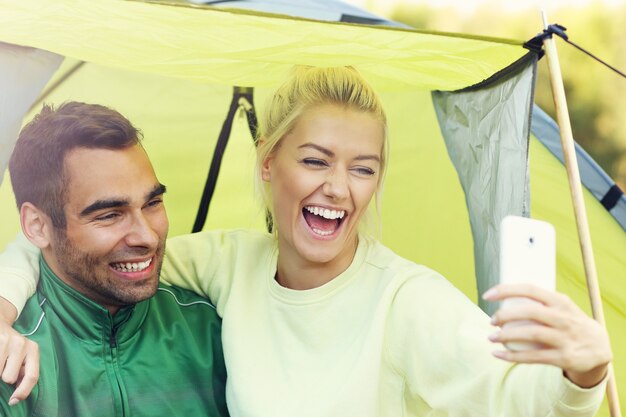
{"points": [[132, 267], [326, 213]]}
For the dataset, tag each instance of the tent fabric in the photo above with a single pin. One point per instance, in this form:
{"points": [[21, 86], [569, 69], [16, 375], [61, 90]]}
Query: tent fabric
{"points": [[592, 176], [212, 47], [23, 73], [486, 133]]}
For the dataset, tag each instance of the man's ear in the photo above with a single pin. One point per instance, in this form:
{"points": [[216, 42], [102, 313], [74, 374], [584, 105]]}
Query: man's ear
{"points": [[36, 225]]}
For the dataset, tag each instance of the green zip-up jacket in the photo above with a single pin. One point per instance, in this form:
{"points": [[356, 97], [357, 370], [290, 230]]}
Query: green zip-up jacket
{"points": [[161, 357]]}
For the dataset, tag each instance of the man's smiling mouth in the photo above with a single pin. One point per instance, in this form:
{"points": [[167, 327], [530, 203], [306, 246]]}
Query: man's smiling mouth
{"points": [[131, 266]]}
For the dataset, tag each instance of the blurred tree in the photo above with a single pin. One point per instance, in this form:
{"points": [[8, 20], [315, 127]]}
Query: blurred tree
{"points": [[596, 96]]}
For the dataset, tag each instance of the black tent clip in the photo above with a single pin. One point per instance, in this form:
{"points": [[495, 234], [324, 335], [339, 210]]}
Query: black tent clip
{"points": [[536, 44]]}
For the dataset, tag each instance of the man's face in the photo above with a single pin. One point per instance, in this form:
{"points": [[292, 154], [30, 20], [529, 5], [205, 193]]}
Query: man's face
{"points": [[112, 248]]}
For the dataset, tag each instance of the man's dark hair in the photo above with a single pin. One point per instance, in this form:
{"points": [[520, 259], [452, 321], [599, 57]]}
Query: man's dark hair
{"points": [[37, 164]]}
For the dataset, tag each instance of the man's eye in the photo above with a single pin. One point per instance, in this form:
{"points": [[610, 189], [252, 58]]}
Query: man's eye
{"points": [[314, 162], [107, 216], [156, 202]]}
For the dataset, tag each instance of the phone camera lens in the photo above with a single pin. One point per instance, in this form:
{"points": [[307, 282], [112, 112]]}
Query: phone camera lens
{"points": [[531, 240]]}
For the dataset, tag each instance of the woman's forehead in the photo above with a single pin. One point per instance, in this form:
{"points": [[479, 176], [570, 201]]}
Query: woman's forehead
{"points": [[333, 125]]}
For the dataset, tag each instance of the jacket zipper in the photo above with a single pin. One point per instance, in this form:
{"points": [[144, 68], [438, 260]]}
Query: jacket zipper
{"points": [[113, 338], [115, 376]]}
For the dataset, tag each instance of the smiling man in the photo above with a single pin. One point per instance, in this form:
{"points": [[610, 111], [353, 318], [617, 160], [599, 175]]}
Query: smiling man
{"points": [[113, 342]]}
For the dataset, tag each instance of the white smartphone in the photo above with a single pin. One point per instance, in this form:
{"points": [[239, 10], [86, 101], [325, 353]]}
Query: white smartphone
{"points": [[527, 255]]}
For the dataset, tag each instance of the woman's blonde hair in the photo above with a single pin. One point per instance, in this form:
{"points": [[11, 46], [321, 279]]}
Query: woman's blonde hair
{"points": [[308, 87]]}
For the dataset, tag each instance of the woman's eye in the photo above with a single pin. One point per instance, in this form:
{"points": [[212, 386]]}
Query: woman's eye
{"points": [[313, 162], [364, 171]]}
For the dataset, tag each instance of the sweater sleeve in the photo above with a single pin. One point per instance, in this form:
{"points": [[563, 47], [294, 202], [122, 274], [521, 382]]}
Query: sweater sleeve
{"points": [[201, 262], [19, 271], [437, 341]]}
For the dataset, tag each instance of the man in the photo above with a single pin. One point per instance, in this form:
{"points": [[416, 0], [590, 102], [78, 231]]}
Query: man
{"points": [[112, 341]]}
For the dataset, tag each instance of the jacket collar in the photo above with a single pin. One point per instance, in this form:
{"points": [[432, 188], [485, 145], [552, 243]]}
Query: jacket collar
{"points": [[83, 317]]}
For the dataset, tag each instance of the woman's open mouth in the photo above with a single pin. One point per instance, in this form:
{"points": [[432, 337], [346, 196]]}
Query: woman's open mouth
{"points": [[322, 221]]}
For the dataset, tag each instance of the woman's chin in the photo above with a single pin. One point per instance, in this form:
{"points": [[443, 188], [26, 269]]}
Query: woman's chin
{"points": [[324, 252]]}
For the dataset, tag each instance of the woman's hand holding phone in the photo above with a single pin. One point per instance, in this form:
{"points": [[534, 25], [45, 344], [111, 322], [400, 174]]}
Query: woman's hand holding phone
{"points": [[563, 335], [538, 324]]}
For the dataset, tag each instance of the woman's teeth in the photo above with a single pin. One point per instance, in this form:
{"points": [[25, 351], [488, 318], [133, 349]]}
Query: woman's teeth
{"points": [[326, 213], [132, 267], [323, 232]]}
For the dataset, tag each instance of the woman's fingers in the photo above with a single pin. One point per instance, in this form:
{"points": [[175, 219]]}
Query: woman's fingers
{"points": [[28, 375], [535, 312], [546, 297], [542, 356], [19, 362], [542, 336]]}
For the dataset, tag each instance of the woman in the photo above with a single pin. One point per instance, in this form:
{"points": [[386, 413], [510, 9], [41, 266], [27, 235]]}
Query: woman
{"points": [[321, 320]]}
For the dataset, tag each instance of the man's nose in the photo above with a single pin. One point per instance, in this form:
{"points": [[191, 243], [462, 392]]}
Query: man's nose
{"points": [[142, 233]]}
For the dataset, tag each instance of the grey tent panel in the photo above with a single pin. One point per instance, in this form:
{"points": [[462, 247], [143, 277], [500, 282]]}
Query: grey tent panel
{"points": [[328, 10], [486, 131], [592, 176], [18, 63]]}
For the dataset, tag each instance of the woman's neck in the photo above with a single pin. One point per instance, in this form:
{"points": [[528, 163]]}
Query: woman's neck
{"points": [[296, 273]]}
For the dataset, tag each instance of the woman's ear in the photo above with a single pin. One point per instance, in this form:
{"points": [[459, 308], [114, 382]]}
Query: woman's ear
{"points": [[266, 168], [36, 225], [266, 165]]}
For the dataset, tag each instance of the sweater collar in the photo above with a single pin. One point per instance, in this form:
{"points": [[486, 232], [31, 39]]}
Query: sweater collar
{"points": [[88, 320], [320, 293]]}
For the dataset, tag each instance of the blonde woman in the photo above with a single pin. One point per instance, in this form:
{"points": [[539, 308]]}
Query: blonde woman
{"points": [[321, 320]]}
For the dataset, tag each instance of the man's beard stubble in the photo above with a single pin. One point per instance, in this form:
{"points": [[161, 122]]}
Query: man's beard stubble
{"points": [[92, 276]]}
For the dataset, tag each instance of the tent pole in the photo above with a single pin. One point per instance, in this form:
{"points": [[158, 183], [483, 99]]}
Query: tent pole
{"points": [[573, 175]]}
